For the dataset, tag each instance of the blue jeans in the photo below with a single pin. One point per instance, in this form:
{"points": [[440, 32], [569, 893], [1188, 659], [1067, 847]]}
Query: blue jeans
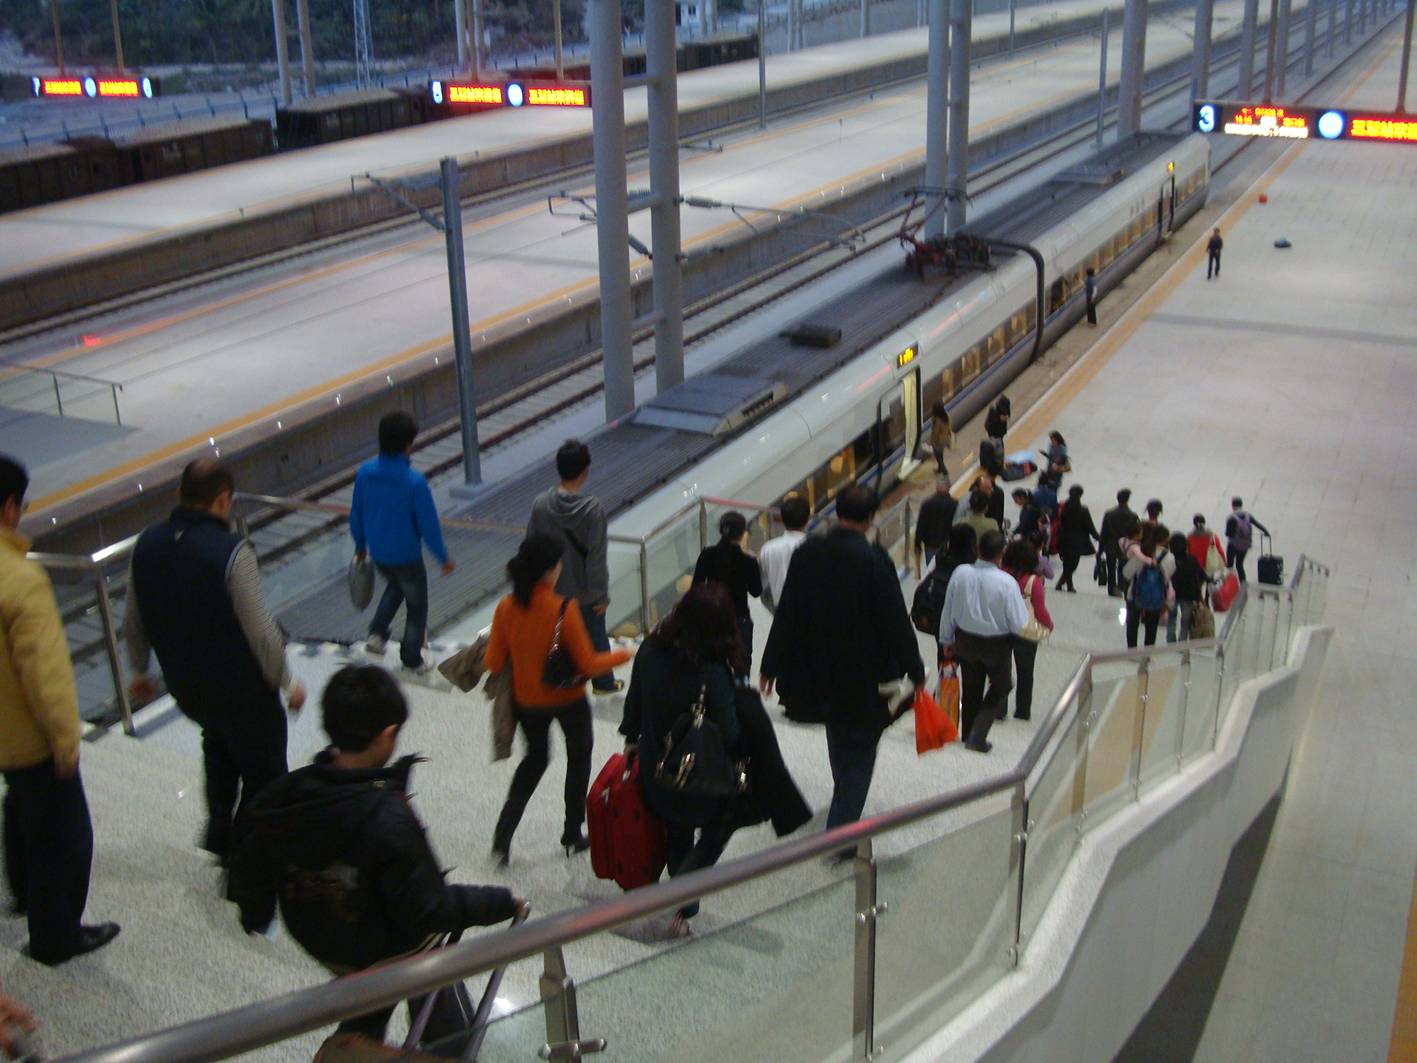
{"points": [[406, 583], [851, 748], [600, 639]]}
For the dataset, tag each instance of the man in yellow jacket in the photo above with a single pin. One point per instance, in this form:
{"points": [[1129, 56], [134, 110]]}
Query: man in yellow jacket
{"points": [[48, 836]]}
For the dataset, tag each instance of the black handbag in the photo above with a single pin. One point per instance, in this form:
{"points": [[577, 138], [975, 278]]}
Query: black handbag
{"points": [[560, 671], [696, 761]]}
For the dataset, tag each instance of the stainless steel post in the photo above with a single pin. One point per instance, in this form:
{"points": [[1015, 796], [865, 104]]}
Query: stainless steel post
{"points": [[1281, 70], [936, 110], [1185, 707], [110, 644], [1139, 727], [117, 34], [1246, 80], [1406, 58], [1269, 51], [462, 337], [1018, 865], [282, 34], [611, 213], [460, 21], [1310, 30], [863, 997], [762, 64], [957, 150], [556, 32], [58, 35], [663, 105], [307, 46], [1129, 84], [1102, 76], [1200, 59], [645, 618], [58, 398]]}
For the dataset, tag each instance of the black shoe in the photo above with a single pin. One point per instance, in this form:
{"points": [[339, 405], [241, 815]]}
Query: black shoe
{"points": [[613, 688], [89, 939], [1025, 717], [979, 747], [502, 848], [575, 842]]}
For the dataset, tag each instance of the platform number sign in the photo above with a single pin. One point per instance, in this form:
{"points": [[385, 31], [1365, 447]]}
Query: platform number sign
{"points": [[1281, 122]]}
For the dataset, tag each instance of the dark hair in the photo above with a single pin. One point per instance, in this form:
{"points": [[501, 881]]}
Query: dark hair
{"points": [[1124, 495], [1178, 546], [397, 431], [991, 545], [360, 702], [795, 513], [536, 556], [856, 504], [203, 482], [1153, 537], [1132, 527], [1004, 406], [1198, 520], [939, 413], [1057, 436], [963, 544], [978, 501], [14, 481], [702, 628], [1153, 508], [1020, 556], [732, 525], [1091, 272], [1021, 491], [1161, 532], [572, 459], [1237, 502], [1075, 491]]}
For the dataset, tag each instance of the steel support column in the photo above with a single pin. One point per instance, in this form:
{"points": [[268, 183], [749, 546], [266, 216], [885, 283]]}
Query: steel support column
{"points": [[1281, 68], [865, 18], [1102, 74], [1270, 51], [762, 64], [559, 44], [1347, 22], [282, 34], [1246, 79], [957, 147], [663, 100], [307, 47], [936, 108], [1310, 31], [117, 34], [611, 211], [1012, 12], [58, 35], [1133, 68], [460, 21], [475, 49], [1332, 25], [462, 330], [1406, 58], [1200, 60]]}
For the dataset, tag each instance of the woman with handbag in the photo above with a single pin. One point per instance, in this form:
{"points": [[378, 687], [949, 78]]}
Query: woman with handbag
{"points": [[682, 694], [1076, 534], [1020, 561], [542, 637]]}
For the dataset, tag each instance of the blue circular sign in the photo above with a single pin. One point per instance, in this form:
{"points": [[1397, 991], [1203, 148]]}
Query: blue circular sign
{"points": [[1331, 125], [148, 87], [437, 92], [516, 95], [90, 88]]}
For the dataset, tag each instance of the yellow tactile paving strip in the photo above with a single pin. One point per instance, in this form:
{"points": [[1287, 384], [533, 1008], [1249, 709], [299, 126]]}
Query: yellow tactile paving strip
{"points": [[1403, 1048]]}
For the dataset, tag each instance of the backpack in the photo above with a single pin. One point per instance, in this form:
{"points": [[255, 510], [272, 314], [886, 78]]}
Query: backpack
{"points": [[929, 601], [1149, 586], [1244, 533]]}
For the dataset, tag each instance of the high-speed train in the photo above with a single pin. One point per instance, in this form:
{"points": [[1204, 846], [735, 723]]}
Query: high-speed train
{"points": [[862, 419]]}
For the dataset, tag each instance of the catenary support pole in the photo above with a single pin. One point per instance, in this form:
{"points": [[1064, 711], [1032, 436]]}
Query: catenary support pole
{"points": [[957, 149], [1245, 83], [762, 64], [1281, 68], [1406, 58], [58, 35], [1269, 51], [1332, 25], [1310, 31], [282, 35], [117, 35], [460, 21], [936, 109], [462, 337], [1102, 76], [556, 32], [476, 48], [611, 211], [1013, 5], [1129, 83], [307, 47], [1200, 59], [865, 18], [663, 101]]}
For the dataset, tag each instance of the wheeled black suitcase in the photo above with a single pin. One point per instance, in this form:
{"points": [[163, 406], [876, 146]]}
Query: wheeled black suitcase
{"points": [[1271, 568]]}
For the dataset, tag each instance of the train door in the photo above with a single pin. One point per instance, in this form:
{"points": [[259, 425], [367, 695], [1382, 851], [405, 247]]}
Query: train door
{"points": [[898, 425]]}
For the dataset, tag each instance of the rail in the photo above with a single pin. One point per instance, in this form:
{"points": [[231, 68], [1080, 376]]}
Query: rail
{"points": [[17, 393], [1125, 722]]}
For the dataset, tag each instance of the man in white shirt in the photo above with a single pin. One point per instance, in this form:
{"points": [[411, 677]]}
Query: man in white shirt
{"points": [[776, 554], [983, 609]]}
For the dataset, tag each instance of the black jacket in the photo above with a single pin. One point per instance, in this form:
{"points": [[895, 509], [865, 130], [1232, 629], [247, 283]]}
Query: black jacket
{"points": [[937, 516], [1114, 522], [739, 572], [841, 629], [356, 879], [1076, 531]]}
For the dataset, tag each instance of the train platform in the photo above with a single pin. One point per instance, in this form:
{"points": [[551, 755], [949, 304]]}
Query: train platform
{"points": [[1285, 382], [293, 343]]}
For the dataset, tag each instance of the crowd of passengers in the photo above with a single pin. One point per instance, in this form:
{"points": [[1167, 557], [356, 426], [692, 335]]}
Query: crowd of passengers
{"points": [[335, 847]]}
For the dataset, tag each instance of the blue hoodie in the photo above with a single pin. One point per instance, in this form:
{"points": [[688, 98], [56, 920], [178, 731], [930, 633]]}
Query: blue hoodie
{"points": [[393, 511]]}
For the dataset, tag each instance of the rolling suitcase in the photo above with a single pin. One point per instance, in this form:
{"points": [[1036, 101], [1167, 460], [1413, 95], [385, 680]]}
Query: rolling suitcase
{"points": [[1271, 568], [627, 842]]}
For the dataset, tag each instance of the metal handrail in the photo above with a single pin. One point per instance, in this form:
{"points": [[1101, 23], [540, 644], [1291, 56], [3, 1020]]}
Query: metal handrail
{"points": [[55, 375]]}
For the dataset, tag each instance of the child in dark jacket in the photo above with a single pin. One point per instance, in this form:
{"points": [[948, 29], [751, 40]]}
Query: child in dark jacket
{"points": [[338, 847]]}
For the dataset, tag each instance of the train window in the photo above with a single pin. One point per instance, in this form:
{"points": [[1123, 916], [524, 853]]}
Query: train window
{"points": [[864, 449], [1019, 326], [894, 426], [994, 346], [948, 383], [1055, 296], [934, 392], [969, 364]]}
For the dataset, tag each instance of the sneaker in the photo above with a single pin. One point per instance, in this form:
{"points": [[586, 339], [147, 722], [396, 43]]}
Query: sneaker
{"points": [[376, 645], [422, 668]]}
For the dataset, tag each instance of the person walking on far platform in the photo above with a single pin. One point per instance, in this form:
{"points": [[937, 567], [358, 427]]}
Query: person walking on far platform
{"points": [[392, 520], [1213, 248], [578, 520], [197, 602], [1089, 287], [942, 435], [48, 834]]}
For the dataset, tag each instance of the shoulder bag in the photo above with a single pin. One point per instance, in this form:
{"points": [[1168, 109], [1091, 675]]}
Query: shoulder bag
{"points": [[1034, 630], [696, 761], [560, 671]]}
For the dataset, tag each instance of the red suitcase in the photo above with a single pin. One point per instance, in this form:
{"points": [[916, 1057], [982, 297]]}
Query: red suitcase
{"points": [[627, 842]]}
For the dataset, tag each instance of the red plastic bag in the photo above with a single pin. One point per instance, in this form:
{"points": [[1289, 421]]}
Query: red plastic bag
{"points": [[1223, 596], [933, 726]]}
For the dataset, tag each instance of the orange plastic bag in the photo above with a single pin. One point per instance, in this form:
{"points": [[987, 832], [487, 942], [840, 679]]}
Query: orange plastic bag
{"points": [[933, 726]]}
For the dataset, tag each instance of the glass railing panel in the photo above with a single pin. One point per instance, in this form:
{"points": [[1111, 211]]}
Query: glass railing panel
{"points": [[1055, 805], [1163, 719], [775, 986], [509, 1037], [1201, 705], [949, 927], [1115, 722], [626, 595], [672, 554], [1234, 643]]}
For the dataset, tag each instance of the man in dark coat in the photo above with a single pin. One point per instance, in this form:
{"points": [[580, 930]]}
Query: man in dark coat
{"points": [[932, 527], [1115, 523], [842, 630], [337, 844]]}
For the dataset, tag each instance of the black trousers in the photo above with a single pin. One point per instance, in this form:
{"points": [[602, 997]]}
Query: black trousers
{"points": [[1138, 617], [1236, 560], [1212, 263], [1092, 312], [447, 1031], [1025, 653], [243, 749], [1115, 564], [48, 853], [693, 848], [1070, 565], [574, 720], [983, 659]]}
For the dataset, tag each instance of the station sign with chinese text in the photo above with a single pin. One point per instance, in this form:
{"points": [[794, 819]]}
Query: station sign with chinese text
{"points": [[479, 95], [1302, 123], [95, 87]]}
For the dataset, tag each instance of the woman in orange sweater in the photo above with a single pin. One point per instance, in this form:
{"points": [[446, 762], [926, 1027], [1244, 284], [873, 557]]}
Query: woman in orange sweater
{"points": [[523, 629]]}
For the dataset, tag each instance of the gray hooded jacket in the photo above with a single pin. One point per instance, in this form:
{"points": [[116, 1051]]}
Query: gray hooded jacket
{"points": [[579, 522]]}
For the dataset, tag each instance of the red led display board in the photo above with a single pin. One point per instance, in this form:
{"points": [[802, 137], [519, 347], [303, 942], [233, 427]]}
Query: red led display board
{"points": [[474, 95], [1302, 123], [95, 87]]}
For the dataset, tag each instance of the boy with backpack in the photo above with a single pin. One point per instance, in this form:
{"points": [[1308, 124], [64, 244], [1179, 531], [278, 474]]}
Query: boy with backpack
{"points": [[1148, 570], [1240, 536]]}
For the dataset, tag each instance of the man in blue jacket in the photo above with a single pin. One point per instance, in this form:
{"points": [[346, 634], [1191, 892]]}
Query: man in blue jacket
{"points": [[392, 520]]}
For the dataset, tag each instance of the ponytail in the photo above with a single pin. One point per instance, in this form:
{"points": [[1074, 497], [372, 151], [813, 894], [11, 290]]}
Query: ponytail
{"points": [[536, 556]]}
